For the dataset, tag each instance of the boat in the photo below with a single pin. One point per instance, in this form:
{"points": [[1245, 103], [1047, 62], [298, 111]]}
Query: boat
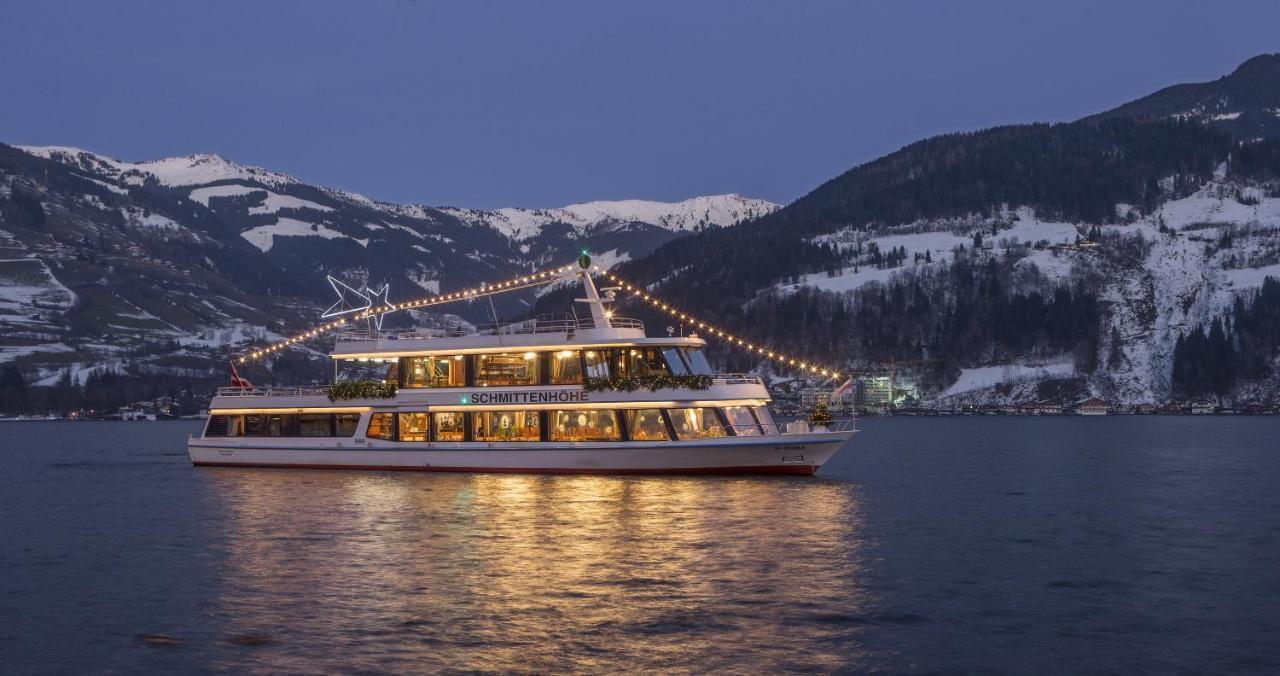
{"points": [[562, 394]]}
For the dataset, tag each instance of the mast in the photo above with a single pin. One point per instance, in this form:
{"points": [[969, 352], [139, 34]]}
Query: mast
{"points": [[599, 315]]}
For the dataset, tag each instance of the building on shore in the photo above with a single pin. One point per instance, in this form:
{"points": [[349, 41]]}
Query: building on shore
{"points": [[1093, 406]]}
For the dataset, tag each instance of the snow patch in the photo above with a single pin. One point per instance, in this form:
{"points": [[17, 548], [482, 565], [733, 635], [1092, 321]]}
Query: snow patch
{"points": [[264, 236]]}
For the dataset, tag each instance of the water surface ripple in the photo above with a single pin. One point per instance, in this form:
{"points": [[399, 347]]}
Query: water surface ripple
{"points": [[930, 545]]}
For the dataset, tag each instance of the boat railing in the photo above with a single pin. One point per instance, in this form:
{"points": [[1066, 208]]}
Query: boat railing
{"points": [[272, 391], [540, 324], [736, 379]]}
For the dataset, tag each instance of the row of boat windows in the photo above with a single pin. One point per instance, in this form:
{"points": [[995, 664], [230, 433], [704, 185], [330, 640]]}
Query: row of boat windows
{"points": [[651, 424], [564, 367], [283, 425]]}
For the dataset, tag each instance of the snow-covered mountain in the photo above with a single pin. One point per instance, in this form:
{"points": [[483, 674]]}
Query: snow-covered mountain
{"points": [[104, 261], [686, 216]]}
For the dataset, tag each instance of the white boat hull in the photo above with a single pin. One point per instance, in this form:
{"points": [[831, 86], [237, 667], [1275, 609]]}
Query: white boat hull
{"points": [[778, 454]]}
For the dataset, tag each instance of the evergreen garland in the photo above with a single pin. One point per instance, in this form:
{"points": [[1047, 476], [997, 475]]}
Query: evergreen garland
{"points": [[361, 389], [652, 383]]}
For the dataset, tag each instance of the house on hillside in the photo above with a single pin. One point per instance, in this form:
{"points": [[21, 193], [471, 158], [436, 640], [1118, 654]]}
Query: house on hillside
{"points": [[1048, 408], [1204, 408], [1093, 406]]}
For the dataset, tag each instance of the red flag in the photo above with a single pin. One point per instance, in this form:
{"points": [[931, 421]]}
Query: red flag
{"points": [[237, 381], [840, 391]]}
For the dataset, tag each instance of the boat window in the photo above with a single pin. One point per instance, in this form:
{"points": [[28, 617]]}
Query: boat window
{"points": [[254, 425], [646, 361], [216, 427], [645, 424], [511, 368], [235, 426], [741, 421], [765, 418], [345, 424], [696, 423], [506, 426], [698, 363], [674, 362], [381, 426], [585, 425], [450, 426], [413, 426], [439, 371], [314, 425], [597, 362], [619, 363], [566, 368]]}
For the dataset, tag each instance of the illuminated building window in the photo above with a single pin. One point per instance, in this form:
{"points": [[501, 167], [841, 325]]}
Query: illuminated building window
{"points": [[696, 423], [450, 426], [413, 426], [566, 368], [381, 426], [585, 425], [645, 424], [440, 371], [506, 426], [511, 368], [741, 421]]}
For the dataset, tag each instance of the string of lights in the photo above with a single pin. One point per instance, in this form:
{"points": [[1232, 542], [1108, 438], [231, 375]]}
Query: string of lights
{"points": [[485, 289], [729, 338]]}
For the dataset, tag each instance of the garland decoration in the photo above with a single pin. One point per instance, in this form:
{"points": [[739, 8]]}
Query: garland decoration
{"points": [[361, 389], [662, 381]]}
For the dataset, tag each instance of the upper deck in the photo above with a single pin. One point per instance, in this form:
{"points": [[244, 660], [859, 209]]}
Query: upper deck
{"points": [[548, 332]]}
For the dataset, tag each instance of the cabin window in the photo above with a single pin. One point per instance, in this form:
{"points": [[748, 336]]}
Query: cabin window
{"points": [[585, 425], [511, 368], [696, 423], [345, 424], [382, 426], [675, 363], [597, 363], [506, 426], [645, 424], [254, 425], [235, 426], [741, 421], [646, 361], [439, 371], [450, 426], [315, 425], [216, 427], [698, 363], [413, 426], [566, 368], [765, 418]]}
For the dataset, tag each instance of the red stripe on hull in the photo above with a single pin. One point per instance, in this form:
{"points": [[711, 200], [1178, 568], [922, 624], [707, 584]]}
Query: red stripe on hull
{"points": [[804, 470]]}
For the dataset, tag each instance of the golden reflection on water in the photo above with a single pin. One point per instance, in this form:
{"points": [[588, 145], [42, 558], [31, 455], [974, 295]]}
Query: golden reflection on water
{"points": [[518, 572]]}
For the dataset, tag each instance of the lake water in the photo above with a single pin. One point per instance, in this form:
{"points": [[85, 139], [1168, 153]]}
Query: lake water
{"points": [[1041, 545]]}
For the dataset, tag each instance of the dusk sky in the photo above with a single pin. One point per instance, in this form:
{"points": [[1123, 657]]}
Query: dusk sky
{"points": [[488, 104]]}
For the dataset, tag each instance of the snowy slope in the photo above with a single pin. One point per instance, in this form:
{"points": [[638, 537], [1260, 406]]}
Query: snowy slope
{"points": [[715, 210], [170, 171]]}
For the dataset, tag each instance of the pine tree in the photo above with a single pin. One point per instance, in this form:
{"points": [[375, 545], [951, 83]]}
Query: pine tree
{"points": [[821, 415]]}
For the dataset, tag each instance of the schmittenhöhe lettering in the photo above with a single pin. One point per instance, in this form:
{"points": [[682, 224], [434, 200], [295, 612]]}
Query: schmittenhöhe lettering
{"points": [[557, 397]]}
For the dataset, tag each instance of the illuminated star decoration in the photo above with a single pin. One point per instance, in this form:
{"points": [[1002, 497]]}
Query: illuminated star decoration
{"points": [[379, 306], [349, 300]]}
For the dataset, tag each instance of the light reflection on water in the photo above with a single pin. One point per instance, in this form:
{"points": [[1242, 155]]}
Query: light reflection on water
{"points": [[505, 572]]}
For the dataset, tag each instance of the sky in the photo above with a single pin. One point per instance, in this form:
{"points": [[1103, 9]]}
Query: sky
{"points": [[486, 103]]}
